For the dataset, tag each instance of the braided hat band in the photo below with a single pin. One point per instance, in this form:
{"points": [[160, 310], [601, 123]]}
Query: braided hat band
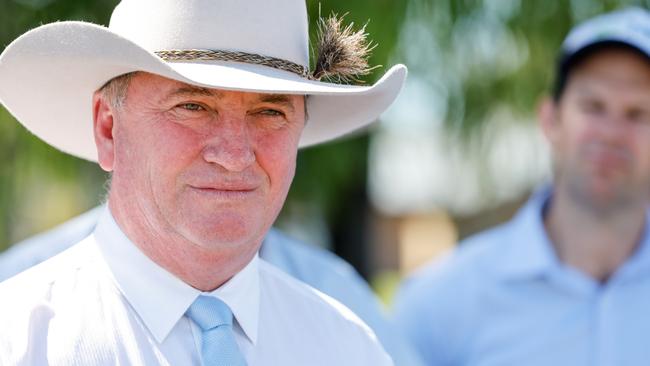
{"points": [[342, 54], [234, 56]]}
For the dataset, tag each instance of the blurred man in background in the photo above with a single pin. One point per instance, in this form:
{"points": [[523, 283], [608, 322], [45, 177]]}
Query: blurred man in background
{"points": [[567, 281], [317, 267]]}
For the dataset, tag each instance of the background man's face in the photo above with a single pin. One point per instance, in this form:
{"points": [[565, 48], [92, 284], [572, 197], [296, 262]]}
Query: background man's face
{"points": [[600, 129], [210, 165]]}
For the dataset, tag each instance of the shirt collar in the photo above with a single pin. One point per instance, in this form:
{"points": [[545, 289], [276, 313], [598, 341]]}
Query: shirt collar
{"points": [[529, 251], [639, 262], [135, 275]]}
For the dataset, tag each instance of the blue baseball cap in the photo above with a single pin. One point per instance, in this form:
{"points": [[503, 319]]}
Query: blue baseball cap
{"points": [[629, 28]]}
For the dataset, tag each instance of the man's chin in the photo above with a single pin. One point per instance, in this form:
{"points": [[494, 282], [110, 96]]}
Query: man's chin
{"points": [[222, 227], [606, 197], [223, 235]]}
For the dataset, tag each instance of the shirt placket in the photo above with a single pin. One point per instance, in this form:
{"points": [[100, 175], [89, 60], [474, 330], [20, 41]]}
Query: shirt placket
{"points": [[601, 351]]}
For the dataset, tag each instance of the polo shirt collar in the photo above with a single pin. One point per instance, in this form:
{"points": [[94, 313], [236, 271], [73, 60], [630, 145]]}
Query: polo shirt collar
{"points": [[528, 250], [639, 262], [137, 276]]}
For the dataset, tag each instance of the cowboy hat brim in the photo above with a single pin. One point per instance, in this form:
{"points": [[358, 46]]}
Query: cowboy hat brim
{"points": [[49, 74]]}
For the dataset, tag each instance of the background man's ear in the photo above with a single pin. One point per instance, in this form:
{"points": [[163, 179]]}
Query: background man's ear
{"points": [[547, 116], [103, 116]]}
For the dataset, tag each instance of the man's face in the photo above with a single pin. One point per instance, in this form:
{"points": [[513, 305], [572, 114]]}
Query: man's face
{"points": [[600, 129], [212, 166]]}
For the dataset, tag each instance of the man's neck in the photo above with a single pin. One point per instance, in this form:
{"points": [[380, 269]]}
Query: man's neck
{"points": [[595, 243], [202, 269]]}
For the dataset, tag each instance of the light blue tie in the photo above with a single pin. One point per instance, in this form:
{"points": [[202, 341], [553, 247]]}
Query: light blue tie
{"points": [[214, 318]]}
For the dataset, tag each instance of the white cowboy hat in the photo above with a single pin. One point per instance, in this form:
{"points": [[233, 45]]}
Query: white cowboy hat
{"points": [[48, 75]]}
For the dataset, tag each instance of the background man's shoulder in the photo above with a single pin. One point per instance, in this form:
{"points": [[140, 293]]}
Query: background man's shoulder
{"points": [[331, 324], [475, 258], [439, 305]]}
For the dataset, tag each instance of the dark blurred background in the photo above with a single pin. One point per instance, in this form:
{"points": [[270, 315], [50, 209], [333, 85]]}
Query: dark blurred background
{"points": [[458, 151]]}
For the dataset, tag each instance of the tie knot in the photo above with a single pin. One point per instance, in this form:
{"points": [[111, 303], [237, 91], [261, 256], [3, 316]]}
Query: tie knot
{"points": [[209, 312]]}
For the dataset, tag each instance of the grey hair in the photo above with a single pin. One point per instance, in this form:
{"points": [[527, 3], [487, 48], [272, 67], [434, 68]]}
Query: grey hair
{"points": [[115, 89]]}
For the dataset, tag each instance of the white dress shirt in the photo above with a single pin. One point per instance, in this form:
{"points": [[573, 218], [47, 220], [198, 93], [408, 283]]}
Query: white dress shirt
{"points": [[315, 266], [103, 302]]}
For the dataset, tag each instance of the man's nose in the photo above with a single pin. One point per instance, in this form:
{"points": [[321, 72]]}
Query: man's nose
{"points": [[230, 145], [613, 127]]}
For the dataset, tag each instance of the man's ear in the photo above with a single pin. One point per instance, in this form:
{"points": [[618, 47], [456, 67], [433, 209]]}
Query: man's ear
{"points": [[547, 115], [103, 121]]}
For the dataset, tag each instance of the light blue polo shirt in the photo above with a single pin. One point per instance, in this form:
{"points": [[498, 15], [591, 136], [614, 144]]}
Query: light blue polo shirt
{"points": [[504, 298]]}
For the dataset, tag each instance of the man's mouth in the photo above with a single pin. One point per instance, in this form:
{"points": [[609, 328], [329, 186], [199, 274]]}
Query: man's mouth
{"points": [[228, 192], [608, 159]]}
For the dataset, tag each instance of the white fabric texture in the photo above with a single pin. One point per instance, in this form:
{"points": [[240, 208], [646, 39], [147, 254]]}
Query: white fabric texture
{"points": [[103, 302]]}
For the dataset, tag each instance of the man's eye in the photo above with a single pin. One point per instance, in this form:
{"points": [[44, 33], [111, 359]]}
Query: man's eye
{"points": [[191, 107], [638, 115], [593, 107], [271, 112]]}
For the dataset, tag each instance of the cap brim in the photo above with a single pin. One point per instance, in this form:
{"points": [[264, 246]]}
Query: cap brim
{"points": [[48, 76]]}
